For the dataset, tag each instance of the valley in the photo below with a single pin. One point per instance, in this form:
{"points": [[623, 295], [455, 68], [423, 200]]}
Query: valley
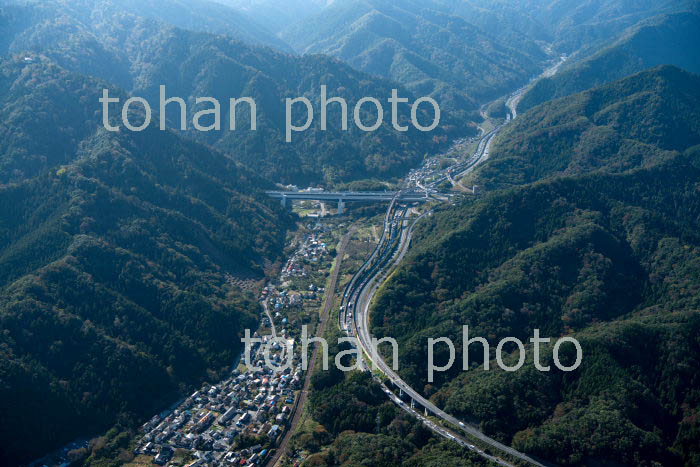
{"points": [[353, 317], [516, 168], [219, 422]]}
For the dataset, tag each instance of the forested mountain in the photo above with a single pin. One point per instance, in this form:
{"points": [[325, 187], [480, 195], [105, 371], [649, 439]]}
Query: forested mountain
{"points": [[114, 251], [629, 123], [355, 424], [119, 251], [611, 259], [117, 248], [277, 15], [140, 55], [604, 247], [466, 51], [314, 155], [589, 24], [195, 15], [508, 20], [667, 39], [422, 46]]}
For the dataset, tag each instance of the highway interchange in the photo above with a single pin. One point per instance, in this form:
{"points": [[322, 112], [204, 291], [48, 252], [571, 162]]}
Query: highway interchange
{"points": [[420, 185], [392, 247]]}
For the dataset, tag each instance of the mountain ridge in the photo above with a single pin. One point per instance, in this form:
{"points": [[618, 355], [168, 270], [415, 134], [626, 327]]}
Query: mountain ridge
{"points": [[666, 40], [631, 122], [118, 256]]}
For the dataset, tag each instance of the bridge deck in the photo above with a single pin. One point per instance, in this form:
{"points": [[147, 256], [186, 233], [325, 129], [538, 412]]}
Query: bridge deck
{"points": [[346, 196]]}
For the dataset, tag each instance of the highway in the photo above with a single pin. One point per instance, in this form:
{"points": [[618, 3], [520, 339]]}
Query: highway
{"points": [[392, 247], [396, 245], [514, 99], [437, 177], [367, 196]]}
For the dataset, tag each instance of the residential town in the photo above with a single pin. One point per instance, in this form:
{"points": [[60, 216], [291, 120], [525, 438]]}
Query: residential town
{"points": [[238, 421], [219, 423]]}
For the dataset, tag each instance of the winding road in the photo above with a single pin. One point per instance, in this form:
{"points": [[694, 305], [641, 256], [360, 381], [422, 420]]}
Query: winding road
{"points": [[364, 294], [391, 249], [357, 298]]}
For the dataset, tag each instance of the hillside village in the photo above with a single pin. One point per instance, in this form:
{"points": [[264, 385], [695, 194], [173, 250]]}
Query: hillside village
{"points": [[238, 421]]}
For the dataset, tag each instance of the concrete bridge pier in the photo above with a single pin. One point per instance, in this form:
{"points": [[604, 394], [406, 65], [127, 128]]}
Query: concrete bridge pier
{"points": [[341, 207]]}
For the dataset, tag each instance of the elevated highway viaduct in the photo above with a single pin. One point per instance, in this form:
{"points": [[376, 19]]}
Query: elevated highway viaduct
{"points": [[342, 197]]}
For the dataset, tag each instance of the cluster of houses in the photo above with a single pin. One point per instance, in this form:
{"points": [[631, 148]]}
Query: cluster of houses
{"points": [[433, 166], [428, 169], [281, 299], [256, 402], [312, 250]]}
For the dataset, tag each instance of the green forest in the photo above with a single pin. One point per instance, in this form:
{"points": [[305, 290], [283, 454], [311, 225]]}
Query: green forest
{"points": [[131, 262], [662, 40], [358, 425], [609, 257], [633, 122], [115, 251], [139, 55], [433, 53]]}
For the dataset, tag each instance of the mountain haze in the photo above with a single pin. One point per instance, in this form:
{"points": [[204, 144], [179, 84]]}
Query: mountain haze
{"points": [[139, 55], [276, 15], [669, 39], [195, 15], [419, 45], [584, 26]]}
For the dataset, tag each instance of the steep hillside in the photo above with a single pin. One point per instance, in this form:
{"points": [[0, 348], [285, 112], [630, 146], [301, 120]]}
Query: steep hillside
{"points": [[668, 39], [195, 15], [611, 259], [115, 252], [354, 423], [589, 24], [466, 51], [277, 15], [140, 55], [314, 155], [603, 247], [512, 22], [633, 122], [420, 45]]}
